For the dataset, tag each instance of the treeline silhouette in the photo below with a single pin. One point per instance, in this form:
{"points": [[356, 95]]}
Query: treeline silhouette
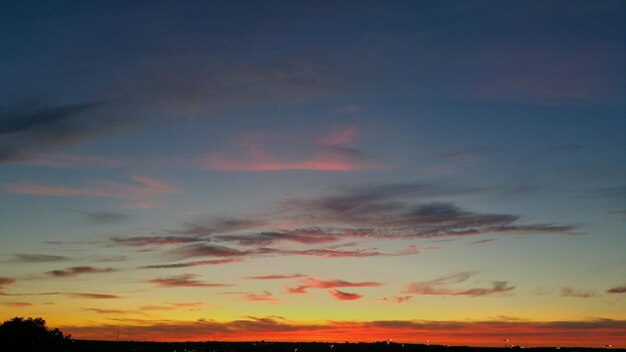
{"points": [[32, 335]]}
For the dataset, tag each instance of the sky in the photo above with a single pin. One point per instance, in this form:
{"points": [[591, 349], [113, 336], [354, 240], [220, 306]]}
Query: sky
{"points": [[442, 171]]}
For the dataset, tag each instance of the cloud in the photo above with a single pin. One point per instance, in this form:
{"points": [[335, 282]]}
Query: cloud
{"points": [[189, 264], [16, 304], [617, 289], [276, 277], [303, 236], [344, 296], [37, 258], [141, 241], [206, 227], [6, 281], [28, 131], [266, 152], [439, 287], [206, 250], [71, 161], [143, 192], [78, 270], [92, 295], [264, 296], [188, 306], [184, 280], [570, 292], [397, 299], [106, 311], [194, 84], [105, 217], [391, 211], [311, 282], [476, 333]]}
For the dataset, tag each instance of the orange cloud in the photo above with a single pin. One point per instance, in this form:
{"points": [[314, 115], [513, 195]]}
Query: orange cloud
{"points": [[479, 333]]}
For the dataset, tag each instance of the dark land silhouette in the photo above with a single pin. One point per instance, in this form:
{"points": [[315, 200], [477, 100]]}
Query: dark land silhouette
{"points": [[32, 335]]}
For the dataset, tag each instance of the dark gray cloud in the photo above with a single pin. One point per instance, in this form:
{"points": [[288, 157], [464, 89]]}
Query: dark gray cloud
{"points": [[141, 241], [79, 270], [89, 295], [617, 289], [302, 236], [189, 264], [184, 280], [441, 287], [409, 211], [29, 130], [37, 258], [105, 217]]}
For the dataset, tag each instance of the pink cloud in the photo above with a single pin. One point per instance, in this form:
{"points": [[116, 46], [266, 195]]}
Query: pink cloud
{"points": [[276, 277], [344, 296], [311, 282], [342, 137], [143, 191], [259, 152]]}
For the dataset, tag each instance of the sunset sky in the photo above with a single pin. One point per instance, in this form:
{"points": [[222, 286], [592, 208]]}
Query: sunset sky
{"points": [[450, 171]]}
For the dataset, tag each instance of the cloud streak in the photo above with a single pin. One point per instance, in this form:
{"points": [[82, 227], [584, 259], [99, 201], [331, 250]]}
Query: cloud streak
{"points": [[440, 287], [617, 289], [344, 296], [79, 270], [26, 132], [143, 191], [264, 152], [311, 282], [184, 280]]}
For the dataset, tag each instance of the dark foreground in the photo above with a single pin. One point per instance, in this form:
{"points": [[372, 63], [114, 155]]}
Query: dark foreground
{"points": [[123, 346]]}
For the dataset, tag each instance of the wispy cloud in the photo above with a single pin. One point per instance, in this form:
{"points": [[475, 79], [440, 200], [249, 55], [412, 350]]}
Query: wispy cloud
{"points": [[617, 289], [264, 296], [276, 277], [311, 282], [143, 192], [106, 311], [28, 131], [37, 258], [71, 161], [397, 299], [264, 152], [92, 295], [16, 304], [344, 296], [105, 217], [570, 292], [184, 280], [190, 264], [391, 211], [440, 287], [78, 270], [141, 241]]}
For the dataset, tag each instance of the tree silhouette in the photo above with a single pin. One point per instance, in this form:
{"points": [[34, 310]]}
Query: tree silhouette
{"points": [[32, 335]]}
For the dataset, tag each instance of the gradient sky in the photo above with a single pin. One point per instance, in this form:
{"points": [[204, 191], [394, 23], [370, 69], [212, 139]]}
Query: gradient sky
{"points": [[448, 171]]}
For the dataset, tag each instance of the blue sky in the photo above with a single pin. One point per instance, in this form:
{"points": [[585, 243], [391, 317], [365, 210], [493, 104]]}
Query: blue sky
{"points": [[379, 157]]}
